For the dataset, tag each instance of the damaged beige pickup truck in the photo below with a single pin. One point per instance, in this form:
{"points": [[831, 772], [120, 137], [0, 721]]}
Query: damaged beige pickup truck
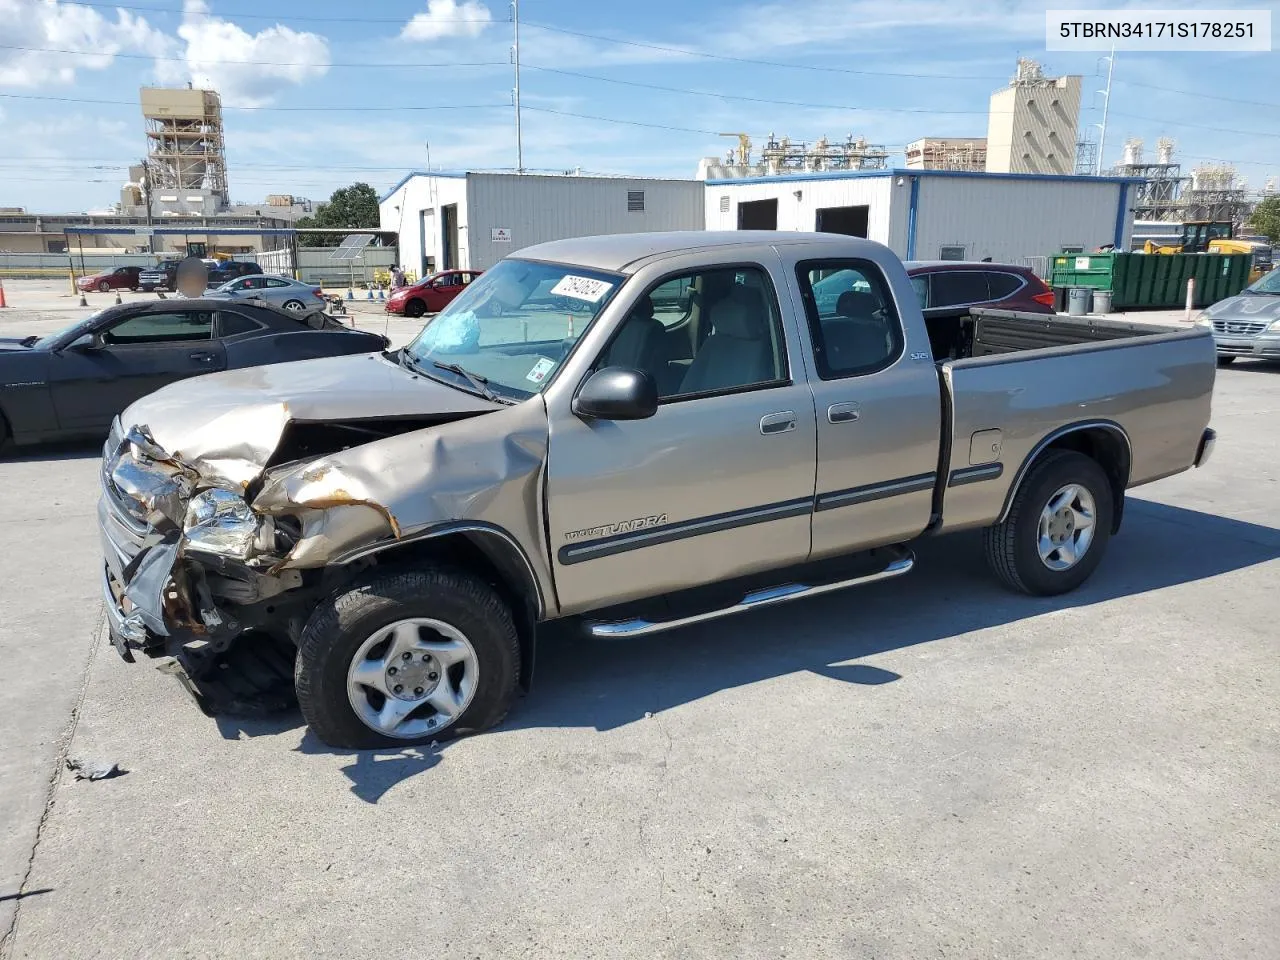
{"points": [[633, 432]]}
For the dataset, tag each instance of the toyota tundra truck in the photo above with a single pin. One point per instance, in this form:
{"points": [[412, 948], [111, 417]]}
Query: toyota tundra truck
{"points": [[719, 422]]}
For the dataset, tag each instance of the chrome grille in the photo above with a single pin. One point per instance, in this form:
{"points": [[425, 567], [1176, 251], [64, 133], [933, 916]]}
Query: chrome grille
{"points": [[1239, 328]]}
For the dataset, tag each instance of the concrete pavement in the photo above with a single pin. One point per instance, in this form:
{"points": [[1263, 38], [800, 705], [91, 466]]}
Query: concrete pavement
{"points": [[929, 766]]}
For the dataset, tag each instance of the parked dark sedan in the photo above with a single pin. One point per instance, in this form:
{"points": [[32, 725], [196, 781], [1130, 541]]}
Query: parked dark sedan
{"points": [[72, 383]]}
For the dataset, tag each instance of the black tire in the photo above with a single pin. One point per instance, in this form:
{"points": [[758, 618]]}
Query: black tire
{"points": [[135, 288], [297, 306], [1011, 546], [415, 309], [1225, 361], [104, 287], [340, 625]]}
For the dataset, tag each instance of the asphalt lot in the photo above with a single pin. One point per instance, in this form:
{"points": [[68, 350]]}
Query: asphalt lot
{"points": [[925, 767]]}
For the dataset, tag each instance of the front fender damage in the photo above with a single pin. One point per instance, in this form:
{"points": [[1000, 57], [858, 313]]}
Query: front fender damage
{"points": [[311, 513]]}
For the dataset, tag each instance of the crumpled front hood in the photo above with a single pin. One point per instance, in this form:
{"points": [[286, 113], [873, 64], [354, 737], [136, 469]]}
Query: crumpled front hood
{"points": [[228, 425], [1246, 307]]}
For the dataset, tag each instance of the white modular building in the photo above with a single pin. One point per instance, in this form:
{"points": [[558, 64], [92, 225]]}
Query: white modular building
{"points": [[472, 220], [936, 214]]}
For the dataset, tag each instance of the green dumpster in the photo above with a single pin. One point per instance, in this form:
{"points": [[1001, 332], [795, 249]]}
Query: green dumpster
{"points": [[1153, 281]]}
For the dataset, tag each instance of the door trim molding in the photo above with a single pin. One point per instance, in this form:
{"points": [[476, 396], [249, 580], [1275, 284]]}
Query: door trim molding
{"points": [[581, 551], [876, 491], [986, 471]]}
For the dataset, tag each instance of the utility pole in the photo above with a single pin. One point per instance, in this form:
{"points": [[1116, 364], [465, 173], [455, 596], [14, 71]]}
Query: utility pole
{"points": [[146, 199], [515, 59], [1106, 107]]}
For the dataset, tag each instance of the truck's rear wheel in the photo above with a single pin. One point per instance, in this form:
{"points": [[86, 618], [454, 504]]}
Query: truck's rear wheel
{"points": [[1057, 528], [407, 657]]}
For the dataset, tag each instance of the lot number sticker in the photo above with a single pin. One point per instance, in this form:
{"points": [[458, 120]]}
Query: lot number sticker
{"points": [[582, 288], [540, 370]]}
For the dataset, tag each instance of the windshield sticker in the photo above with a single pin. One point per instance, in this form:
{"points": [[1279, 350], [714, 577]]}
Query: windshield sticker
{"points": [[540, 370], [582, 288]]}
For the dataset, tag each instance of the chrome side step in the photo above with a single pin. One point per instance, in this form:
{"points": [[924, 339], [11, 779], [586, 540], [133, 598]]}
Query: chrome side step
{"points": [[752, 601]]}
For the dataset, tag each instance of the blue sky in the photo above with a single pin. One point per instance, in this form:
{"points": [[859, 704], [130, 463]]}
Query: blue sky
{"points": [[376, 61]]}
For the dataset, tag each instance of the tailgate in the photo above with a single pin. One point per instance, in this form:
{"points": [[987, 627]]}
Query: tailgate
{"points": [[1154, 384]]}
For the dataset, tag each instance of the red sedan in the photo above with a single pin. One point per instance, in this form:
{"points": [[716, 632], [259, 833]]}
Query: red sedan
{"points": [[125, 278], [430, 295]]}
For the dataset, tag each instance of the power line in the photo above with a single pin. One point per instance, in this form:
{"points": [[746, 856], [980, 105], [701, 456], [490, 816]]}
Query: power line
{"points": [[734, 96], [1196, 93], [331, 109], [1195, 126], [221, 14], [683, 51], [764, 63], [256, 63]]}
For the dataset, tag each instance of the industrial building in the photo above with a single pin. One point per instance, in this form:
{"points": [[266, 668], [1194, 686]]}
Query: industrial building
{"points": [[1032, 124], [783, 155], [935, 214], [947, 153], [185, 171], [472, 220]]}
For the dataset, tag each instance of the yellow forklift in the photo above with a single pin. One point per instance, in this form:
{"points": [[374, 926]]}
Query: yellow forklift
{"points": [[1217, 236]]}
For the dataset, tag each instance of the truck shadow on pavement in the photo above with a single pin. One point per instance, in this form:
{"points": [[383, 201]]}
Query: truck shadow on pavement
{"points": [[950, 593], [54, 452], [604, 685]]}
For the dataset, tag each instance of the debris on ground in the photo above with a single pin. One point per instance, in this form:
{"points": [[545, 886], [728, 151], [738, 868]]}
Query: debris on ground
{"points": [[87, 768]]}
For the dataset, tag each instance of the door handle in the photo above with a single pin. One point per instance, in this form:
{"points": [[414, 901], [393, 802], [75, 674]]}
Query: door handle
{"points": [[781, 422], [843, 412], [203, 356]]}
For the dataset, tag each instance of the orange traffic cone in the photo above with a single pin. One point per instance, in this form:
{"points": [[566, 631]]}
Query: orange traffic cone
{"points": [[2, 300]]}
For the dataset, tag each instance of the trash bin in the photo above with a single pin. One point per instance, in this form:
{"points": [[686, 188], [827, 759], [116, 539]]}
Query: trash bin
{"points": [[1102, 301], [1078, 301]]}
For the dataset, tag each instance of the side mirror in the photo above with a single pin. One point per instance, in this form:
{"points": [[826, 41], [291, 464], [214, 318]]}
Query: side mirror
{"points": [[617, 393], [90, 343]]}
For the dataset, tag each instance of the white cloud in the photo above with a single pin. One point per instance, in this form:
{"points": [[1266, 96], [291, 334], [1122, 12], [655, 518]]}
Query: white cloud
{"points": [[448, 18], [247, 69], [50, 25]]}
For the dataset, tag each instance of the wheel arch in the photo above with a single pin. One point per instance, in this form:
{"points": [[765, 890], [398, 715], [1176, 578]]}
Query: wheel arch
{"points": [[1103, 441], [485, 550]]}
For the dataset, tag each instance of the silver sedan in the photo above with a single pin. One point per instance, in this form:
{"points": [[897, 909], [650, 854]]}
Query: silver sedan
{"points": [[281, 291]]}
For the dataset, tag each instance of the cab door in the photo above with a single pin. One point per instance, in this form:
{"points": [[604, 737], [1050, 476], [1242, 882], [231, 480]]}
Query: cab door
{"points": [[719, 482], [878, 407]]}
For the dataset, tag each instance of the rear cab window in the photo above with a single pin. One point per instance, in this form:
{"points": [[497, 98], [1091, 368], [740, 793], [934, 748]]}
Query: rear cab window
{"points": [[852, 318]]}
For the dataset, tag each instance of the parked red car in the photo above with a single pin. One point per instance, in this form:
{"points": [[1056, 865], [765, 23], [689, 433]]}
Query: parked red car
{"points": [[125, 278], [952, 284], [430, 295]]}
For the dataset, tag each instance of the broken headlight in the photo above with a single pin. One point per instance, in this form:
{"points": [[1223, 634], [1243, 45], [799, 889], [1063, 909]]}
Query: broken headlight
{"points": [[220, 522]]}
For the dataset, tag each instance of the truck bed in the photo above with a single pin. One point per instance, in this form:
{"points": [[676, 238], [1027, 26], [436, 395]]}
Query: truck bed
{"points": [[983, 332], [1011, 380]]}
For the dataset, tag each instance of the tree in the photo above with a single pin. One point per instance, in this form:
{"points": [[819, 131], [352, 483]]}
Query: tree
{"points": [[353, 206], [1266, 218]]}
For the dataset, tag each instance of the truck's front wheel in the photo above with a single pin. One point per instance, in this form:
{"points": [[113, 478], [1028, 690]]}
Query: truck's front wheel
{"points": [[1057, 528], [407, 657]]}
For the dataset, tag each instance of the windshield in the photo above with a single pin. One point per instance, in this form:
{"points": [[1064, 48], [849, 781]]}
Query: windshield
{"points": [[1267, 283], [512, 326], [66, 334]]}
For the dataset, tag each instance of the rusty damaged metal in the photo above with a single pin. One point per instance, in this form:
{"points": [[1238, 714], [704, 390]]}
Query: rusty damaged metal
{"points": [[485, 470]]}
